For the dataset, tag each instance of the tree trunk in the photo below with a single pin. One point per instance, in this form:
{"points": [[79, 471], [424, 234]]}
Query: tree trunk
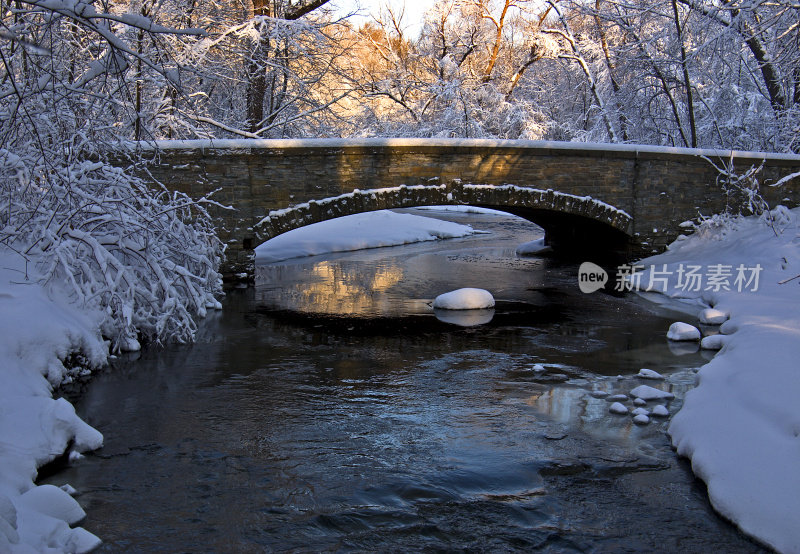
{"points": [[623, 121], [686, 80]]}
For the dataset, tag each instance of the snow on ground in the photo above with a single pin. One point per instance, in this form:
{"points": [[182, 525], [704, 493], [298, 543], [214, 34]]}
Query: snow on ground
{"points": [[741, 425], [356, 232], [36, 331]]}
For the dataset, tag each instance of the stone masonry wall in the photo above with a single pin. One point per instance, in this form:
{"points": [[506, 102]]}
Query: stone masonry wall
{"points": [[658, 188]]}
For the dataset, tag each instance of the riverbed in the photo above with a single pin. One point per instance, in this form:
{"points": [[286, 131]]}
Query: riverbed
{"points": [[329, 408]]}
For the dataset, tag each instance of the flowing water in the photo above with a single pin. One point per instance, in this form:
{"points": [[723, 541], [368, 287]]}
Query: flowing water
{"points": [[330, 409]]}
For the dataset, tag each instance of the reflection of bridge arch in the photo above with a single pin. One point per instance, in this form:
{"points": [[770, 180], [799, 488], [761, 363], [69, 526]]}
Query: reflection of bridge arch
{"points": [[579, 223]]}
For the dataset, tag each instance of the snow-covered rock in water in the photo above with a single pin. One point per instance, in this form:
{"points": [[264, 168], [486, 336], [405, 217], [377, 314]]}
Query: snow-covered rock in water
{"points": [[646, 392], [713, 342], [711, 316], [660, 411], [616, 398], [598, 393], [464, 299], [641, 419], [680, 331], [650, 374], [69, 489], [639, 402], [640, 411], [617, 408], [538, 368], [533, 247]]}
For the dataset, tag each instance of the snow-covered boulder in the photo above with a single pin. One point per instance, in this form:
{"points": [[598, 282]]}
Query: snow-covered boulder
{"points": [[641, 419], [464, 299], [533, 248], [660, 411], [618, 408], [646, 392], [650, 374], [711, 316], [680, 331], [713, 342], [616, 398]]}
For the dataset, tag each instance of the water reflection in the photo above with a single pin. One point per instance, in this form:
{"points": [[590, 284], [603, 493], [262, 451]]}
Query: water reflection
{"points": [[328, 287], [465, 318]]}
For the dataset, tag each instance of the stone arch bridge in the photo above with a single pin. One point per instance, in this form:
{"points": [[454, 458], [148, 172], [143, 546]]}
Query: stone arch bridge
{"points": [[593, 200]]}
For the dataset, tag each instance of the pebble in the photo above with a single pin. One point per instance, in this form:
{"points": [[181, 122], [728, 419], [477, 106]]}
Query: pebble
{"points": [[660, 411], [617, 408], [649, 374], [616, 398]]}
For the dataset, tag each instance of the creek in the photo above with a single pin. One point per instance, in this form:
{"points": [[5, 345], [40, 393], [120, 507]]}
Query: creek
{"points": [[328, 409]]}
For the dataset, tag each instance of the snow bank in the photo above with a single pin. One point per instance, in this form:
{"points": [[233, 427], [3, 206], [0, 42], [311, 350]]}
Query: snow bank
{"points": [[741, 425], [36, 331], [356, 232], [464, 299]]}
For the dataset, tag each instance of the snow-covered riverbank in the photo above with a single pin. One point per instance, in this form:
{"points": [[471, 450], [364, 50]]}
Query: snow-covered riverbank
{"points": [[741, 425], [37, 330]]}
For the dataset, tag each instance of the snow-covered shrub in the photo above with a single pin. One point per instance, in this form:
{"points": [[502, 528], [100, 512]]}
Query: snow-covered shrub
{"points": [[146, 257], [713, 228], [77, 78], [742, 190]]}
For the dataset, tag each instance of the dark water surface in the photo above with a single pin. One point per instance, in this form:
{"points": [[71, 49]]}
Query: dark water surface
{"points": [[330, 410]]}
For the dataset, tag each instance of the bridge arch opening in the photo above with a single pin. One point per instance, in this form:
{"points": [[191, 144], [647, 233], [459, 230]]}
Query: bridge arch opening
{"points": [[578, 227]]}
